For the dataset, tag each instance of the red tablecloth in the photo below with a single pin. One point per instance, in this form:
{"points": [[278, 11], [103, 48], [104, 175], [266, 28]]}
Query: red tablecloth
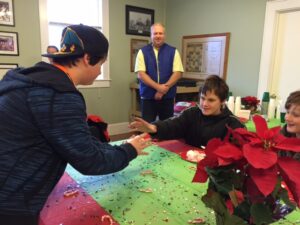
{"points": [[81, 209]]}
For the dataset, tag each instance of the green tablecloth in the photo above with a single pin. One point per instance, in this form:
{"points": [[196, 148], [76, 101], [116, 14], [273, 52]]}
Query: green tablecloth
{"points": [[174, 201], [271, 123]]}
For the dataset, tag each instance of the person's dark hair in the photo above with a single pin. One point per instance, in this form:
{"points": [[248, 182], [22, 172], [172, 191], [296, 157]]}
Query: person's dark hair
{"points": [[217, 85], [72, 60], [68, 61], [52, 46], [294, 98]]}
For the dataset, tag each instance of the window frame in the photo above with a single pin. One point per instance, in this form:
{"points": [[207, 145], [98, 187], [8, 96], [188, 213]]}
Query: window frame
{"points": [[105, 82]]}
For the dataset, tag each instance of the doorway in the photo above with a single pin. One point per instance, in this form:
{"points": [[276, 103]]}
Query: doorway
{"points": [[279, 66]]}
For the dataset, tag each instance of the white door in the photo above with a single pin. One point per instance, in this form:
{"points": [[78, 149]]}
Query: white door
{"points": [[280, 59]]}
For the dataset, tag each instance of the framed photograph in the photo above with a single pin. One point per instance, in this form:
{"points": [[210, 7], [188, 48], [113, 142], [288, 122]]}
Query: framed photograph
{"points": [[135, 46], [9, 43], [7, 13], [204, 55], [139, 20], [4, 67]]}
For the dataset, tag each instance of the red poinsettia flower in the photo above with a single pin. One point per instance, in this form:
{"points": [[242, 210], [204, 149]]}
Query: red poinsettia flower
{"points": [[259, 156], [210, 160], [218, 153], [261, 150], [250, 101]]}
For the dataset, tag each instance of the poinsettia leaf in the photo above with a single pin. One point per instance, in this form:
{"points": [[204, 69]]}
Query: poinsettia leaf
{"points": [[265, 179], [224, 162], [255, 196], [242, 135], [236, 196], [214, 201], [212, 145], [268, 135], [223, 178], [286, 198], [258, 157], [243, 210], [261, 214], [233, 220], [289, 144], [261, 125], [289, 169], [229, 151], [200, 175], [276, 130], [229, 206]]}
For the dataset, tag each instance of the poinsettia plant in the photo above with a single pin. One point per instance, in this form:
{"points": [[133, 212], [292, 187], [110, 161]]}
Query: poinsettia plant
{"points": [[250, 102], [253, 177]]}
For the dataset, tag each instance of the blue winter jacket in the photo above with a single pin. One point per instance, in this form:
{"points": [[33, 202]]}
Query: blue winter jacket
{"points": [[42, 128]]}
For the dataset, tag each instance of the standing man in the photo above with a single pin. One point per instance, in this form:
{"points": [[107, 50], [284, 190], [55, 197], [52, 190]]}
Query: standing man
{"points": [[43, 126], [159, 67]]}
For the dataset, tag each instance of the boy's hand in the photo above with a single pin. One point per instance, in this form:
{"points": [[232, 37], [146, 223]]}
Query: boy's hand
{"points": [[139, 142], [142, 126]]}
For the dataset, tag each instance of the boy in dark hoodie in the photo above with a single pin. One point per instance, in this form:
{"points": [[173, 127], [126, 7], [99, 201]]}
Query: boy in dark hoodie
{"points": [[196, 125], [43, 126]]}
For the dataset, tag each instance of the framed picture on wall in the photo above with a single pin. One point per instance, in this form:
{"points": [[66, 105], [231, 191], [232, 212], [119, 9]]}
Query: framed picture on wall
{"points": [[139, 20], [9, 43], [135, 46], [204, 55], [4, 67], [7, 13]]}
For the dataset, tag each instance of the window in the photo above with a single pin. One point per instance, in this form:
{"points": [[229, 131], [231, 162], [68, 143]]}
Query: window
{"points": [[57, 14]]}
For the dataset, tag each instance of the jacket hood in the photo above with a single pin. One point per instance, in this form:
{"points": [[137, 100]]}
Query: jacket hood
{"points": [[41, 74]]}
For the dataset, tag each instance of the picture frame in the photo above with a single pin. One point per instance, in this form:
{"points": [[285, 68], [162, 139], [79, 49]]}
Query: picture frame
{"points": [[204, 55], [9, 43], [139, 20], [7, 17], [4, 67], [135, 46]]}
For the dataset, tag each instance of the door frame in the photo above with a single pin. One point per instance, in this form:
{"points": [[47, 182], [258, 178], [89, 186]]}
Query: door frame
{"points": [[273, 10]]}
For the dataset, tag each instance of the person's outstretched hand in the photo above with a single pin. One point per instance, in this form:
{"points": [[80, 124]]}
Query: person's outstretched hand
{"points": [[142, 126], [139, 142]]}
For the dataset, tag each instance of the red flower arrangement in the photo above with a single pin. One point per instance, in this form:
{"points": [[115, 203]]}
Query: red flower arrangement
{"points": [[250, 102], [252, 176]]}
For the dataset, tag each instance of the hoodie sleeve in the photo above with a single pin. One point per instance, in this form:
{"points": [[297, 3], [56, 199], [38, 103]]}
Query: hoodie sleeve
{"points": [[175, 127], [61, 118]]}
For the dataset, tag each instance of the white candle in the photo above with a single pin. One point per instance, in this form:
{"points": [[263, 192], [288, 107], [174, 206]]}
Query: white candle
{"points": [[237, 105], [230, 103], [271, 108], [278, 109]]}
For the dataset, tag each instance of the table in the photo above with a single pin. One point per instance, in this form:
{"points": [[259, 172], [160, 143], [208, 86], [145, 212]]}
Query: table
{"points": [[174, 200], [271, 123]]}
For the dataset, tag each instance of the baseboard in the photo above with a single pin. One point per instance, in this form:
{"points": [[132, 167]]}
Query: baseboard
{"points": [[118, 128]]}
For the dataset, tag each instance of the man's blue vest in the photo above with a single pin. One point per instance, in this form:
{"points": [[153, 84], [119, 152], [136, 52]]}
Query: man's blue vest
{"points": [[166, 55]]}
